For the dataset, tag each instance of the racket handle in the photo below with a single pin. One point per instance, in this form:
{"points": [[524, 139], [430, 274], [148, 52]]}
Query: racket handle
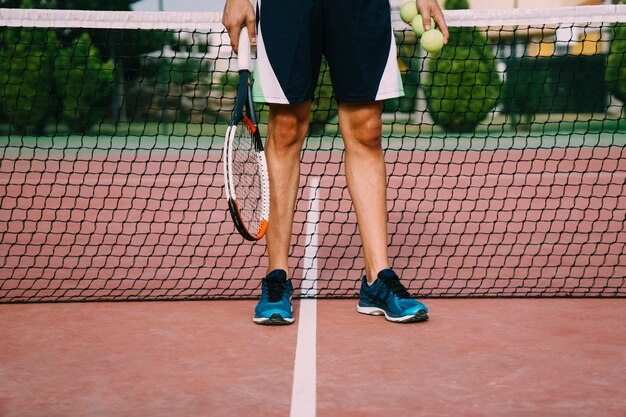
{"points": [[243, 57]]}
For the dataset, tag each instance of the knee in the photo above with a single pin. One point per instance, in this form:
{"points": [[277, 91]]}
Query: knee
{"points": [[361, 126], [368, 134], [288, 128]]}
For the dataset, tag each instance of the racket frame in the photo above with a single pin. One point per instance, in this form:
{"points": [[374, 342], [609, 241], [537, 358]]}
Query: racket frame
{"points": [[248, 121]]}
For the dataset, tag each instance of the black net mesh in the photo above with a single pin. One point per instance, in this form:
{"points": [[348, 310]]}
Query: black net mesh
{"points": [[506, 162]]}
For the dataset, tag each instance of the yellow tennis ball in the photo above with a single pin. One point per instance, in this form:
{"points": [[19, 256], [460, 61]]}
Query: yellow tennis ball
{"points": [[408, 11], [418, 25], [432, 40]]}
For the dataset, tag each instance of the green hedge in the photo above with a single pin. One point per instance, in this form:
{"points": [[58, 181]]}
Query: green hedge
{"points": [[615, 73], [84, 82], [462, 85], [41, 81], [26, 67]]}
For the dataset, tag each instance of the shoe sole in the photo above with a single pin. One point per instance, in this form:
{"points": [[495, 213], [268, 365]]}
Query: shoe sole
{"points": [[375, 311], [275, 320]]}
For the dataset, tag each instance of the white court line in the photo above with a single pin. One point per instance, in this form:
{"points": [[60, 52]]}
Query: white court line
{"points": [[303, 394], [309, 281]]}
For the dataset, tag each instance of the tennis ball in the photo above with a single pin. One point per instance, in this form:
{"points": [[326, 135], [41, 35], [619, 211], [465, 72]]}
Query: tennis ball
{"points": [[432, 40], [418, 25], [408, 11]]}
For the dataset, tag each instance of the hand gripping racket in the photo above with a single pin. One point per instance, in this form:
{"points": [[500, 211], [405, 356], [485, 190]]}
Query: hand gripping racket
{"points": [[245, 170]]}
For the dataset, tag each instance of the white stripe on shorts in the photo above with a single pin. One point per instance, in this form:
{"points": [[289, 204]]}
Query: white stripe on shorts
{"points": [[266, 88], [390, 83]]}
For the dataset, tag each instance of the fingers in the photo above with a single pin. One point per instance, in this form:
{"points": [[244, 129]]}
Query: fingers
{"points": [[237, 14], [426, 19], [441, 24], [234, 39], [430, 8], [231, 27], [251, 25]]}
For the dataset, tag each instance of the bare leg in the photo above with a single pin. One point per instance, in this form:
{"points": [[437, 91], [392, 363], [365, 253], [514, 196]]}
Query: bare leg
{"points": [[287, 127], [361, 125]]}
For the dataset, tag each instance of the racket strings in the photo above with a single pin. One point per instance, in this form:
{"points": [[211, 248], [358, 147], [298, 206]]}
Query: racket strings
{"points": [[247, 180]]}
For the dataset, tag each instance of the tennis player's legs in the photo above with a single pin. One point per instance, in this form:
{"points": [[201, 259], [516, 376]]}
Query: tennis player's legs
{"points": [[287, 128], [288, 59], [289, 51], [356, 37], [360, 125], [361, 51]]}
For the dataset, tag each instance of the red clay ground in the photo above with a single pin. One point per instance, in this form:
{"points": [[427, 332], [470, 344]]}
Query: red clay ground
{"points": [[475, 357]]}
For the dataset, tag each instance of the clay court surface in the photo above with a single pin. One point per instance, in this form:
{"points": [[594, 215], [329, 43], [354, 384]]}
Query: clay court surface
{"points": [[130, 225], [475, 357]]}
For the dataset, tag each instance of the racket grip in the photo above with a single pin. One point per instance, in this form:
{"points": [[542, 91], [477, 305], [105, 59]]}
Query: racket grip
{"points": [[243, 57]]}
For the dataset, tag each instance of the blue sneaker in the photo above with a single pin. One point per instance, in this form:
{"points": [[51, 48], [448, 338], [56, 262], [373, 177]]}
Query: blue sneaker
{"points": [[275, 304], [387, 296]]}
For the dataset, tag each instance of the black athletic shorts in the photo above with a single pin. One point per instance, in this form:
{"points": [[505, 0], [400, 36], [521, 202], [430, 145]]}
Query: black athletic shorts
{"points": [[355, 36]]}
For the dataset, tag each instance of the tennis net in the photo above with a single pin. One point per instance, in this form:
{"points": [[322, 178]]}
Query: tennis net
{"points": [[506, 161]]}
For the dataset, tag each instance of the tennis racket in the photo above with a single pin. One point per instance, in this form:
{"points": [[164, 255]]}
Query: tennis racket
{"points": [[245, 170]]}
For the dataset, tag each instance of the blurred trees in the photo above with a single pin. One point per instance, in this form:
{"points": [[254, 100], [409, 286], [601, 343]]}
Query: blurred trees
{"points": [[70, 75], [462, 85], [26, 66], [615, 73], [83, 82]]}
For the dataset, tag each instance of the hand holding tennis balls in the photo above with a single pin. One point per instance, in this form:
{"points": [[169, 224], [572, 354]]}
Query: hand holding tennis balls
{"points": [[432, 39]]}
